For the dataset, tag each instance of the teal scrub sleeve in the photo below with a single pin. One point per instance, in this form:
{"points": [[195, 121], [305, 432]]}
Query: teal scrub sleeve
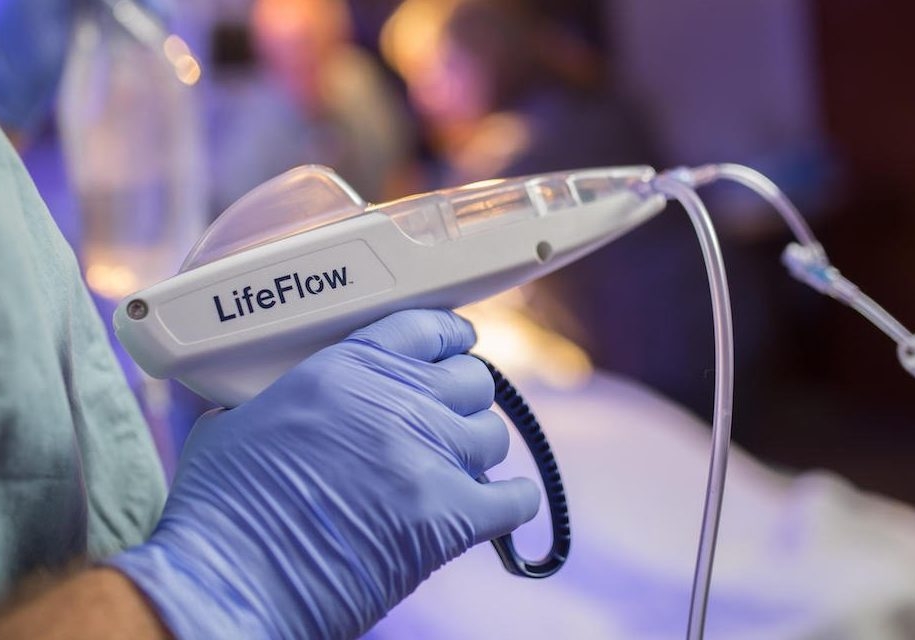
{"points": [[79, 474]]}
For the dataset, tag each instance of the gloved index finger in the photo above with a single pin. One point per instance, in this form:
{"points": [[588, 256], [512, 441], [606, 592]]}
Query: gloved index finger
{"points": [[425, 334]]}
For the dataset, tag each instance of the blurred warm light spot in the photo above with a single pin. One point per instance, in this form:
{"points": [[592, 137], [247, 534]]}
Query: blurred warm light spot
{"points": [[281, 15], [500, 138], [179, 55], [187, 70], [111, 281], [175, 47], [413, 32], [521, 347], [314, 23], [279, 12]]}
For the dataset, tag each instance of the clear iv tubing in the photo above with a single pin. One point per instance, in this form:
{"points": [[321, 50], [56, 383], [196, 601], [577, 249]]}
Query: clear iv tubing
{"points": [[808, 262], [756, 182], [673, 187]]}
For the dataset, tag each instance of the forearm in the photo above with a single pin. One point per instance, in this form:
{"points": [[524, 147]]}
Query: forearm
{"points": [[97, 604]]}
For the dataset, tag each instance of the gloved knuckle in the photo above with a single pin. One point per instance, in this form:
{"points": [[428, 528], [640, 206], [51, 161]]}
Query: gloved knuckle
{"points": [[482, 374], [491, 434], [467, 374], [478, 375], [498, 431]]}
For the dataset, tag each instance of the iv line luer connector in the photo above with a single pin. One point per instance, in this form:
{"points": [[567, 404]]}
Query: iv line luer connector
{"points": [[906, 353], [809, 264]]}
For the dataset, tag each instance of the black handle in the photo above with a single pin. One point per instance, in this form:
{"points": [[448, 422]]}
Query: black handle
{"points": [[510, 401]]}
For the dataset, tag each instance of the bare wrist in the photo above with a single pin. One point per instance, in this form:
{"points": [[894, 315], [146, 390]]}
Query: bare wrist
{"points": [[99, 603]]}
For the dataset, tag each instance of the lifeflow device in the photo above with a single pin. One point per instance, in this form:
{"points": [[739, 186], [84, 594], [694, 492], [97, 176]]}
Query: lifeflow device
{"points": [[301, 261]]}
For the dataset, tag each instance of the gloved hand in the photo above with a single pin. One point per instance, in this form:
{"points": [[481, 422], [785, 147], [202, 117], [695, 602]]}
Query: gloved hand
{"points": [[314, 508]]}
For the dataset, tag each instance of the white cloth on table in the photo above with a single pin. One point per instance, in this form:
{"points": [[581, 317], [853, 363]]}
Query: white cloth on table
{"points": [[800, 557]]}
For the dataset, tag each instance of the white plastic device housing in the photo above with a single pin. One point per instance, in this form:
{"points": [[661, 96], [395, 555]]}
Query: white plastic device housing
{"points": [[342, 264]]}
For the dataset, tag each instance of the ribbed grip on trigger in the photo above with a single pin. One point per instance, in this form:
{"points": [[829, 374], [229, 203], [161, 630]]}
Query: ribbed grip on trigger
{"points": [[515, 408]]}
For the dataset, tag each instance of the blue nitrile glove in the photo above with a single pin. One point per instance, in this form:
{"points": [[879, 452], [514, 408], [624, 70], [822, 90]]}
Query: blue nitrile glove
{"points": [[314, 508]]}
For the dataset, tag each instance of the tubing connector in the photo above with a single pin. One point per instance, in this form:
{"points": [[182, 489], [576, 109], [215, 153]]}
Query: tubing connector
{"points": [[809, 264], [906, 353], [694, 177]]}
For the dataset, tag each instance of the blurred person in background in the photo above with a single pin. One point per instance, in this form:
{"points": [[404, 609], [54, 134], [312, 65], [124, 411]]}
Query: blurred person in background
{"points": [[505, 88], [314, 97]]}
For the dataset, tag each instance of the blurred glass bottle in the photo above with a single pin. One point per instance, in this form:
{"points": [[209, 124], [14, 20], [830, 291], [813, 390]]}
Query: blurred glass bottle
{"points": [[133, 144]]}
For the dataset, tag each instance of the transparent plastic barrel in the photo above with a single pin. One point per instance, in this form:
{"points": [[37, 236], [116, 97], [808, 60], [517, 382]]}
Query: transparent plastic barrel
{"points": [[133, 145]]}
